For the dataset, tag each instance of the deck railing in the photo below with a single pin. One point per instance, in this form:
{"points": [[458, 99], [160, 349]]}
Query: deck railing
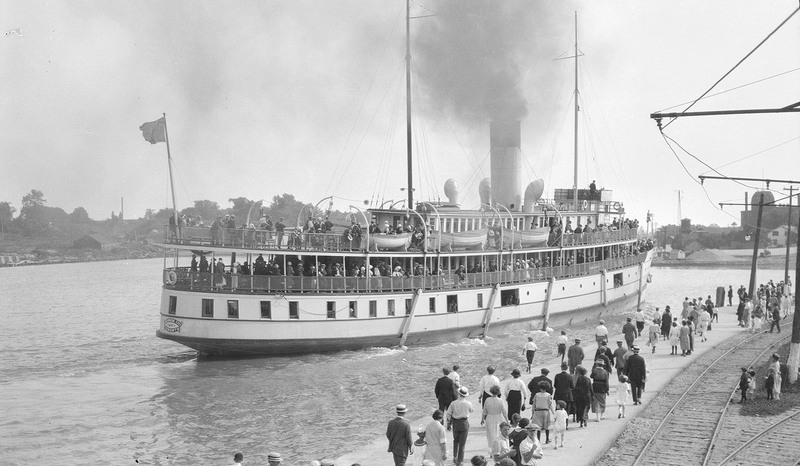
{"points": [[295, 240], [185, 279]]}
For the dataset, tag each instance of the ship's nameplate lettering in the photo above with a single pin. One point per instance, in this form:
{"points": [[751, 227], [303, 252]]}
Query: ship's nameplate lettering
{"points": [[172, 326]]}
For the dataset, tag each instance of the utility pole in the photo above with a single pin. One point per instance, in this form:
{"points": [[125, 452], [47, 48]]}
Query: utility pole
{"points": [[788, 235], [756, 238]]}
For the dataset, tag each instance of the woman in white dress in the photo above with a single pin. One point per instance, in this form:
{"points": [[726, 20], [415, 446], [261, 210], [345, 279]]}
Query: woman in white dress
{"points": [[435, 440], [494, 412], [776, 365], [674, 337]]}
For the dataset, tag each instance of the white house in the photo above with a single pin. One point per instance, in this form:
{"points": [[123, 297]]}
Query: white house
{"points": [[778, 237]]}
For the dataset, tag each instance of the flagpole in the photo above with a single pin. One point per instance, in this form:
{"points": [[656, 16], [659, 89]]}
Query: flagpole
{"points": [[169, 165]]}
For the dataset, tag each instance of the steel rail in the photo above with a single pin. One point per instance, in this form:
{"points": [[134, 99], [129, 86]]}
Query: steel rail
{"points": [[728, 403], [663, 422], [758, 436]]}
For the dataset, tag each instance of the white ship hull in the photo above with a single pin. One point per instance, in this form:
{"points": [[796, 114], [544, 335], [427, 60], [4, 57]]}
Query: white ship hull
{"points": [[574, 299]]}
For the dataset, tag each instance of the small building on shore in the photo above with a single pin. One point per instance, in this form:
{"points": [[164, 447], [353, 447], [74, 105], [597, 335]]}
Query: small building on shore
{"points": [[93, 241]]}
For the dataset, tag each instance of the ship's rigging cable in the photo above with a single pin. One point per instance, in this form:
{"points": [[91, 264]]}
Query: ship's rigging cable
{"points": [[363, 101], [737, 64], [361, 141], [384, 162]]}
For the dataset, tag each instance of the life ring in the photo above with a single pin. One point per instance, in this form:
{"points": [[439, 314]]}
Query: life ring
{"points": [[616, 206], [585, 204], [172, 277]]}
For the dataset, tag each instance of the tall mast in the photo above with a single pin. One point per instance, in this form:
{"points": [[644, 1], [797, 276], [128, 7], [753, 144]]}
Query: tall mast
{"points": [[577, 108], [410, 186]]}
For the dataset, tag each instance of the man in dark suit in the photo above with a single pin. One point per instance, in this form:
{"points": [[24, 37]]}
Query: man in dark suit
{"points": [[637, 373], [533, 385], [445, 390], [563, 383], [399, 434]]}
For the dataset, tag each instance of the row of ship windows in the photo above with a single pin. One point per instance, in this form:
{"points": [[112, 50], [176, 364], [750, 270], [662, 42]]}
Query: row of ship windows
{"points": [[507, 298]]}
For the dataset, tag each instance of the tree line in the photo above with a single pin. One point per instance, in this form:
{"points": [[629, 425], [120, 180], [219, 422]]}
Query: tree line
{"points": [[36, 218]]}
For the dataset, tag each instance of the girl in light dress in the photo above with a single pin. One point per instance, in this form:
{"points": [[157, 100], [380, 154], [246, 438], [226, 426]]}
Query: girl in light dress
{"points": [[623, 394], [494, 412], [655, 331], [674, 337], [561, 417]]}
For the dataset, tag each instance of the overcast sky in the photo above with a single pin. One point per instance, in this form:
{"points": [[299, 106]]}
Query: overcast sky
{"points": [[307, 97]]}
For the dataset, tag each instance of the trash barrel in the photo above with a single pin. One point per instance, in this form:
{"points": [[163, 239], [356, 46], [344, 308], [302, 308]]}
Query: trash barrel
{"points": [[720, 296]]}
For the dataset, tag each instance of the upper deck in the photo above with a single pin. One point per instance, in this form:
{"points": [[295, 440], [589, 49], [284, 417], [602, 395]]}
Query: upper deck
{"points": [[269, 241]]}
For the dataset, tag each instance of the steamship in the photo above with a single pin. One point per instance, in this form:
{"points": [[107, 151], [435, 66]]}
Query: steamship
{"points": [[444, 273]]}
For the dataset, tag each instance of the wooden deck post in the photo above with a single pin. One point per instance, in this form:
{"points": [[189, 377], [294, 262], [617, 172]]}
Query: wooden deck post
{"points": [[410, 317], [487, 317], [604, 287], [639, 293], [549, 300]]}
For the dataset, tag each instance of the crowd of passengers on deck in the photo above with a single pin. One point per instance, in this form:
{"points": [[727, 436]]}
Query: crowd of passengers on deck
{"points": [[331, 267], [316, 233]]}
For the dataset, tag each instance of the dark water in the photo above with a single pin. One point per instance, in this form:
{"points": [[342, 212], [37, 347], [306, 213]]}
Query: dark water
{"points": [[84, 379]]}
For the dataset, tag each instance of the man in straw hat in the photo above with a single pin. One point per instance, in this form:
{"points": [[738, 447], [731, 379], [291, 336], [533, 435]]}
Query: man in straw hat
{"points": [[458, 416], [274, 458], [399, 434]]}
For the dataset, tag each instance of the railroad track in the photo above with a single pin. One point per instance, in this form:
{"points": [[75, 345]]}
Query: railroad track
{"points": [[775, 444], [683, 424]]}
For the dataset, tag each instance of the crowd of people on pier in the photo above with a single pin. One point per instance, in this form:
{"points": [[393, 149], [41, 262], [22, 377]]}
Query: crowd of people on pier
{"points": [[577, 395]]}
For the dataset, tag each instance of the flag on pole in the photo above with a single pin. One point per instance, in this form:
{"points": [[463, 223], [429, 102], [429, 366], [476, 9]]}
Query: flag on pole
{"points": [[154, 131]]}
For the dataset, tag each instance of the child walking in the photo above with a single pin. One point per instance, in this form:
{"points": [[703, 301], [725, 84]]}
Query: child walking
{"points": [[623, 393], [744, 384], [769, 384], [561, 420], [562, 345]]}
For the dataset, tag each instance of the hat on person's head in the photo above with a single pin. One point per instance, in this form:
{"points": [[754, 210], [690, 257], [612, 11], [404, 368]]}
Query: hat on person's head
{"points": [[667, 307], [545, 371], [602, 322], [629, 319], [635, 349], [274, 457], [564, 366], [599, 361], [463, 391], [533, 427], [516, 373], [327, 462], [401, 408], [577, 340]]}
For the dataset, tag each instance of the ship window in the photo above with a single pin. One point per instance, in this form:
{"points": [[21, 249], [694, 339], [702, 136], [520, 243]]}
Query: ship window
{"points": [[266, 310], [294, 311], [354, 309], [452, 303], [373, 308], [331, 309], [509, 297], [173, 305], [480, 300], [617, 280], [233, 309], [432, 305], [390, 307], [408, 306], [208, 308]]}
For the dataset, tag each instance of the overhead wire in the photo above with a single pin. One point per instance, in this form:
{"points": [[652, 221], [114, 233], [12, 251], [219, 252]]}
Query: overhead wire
{"points": [[737, 64]]}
